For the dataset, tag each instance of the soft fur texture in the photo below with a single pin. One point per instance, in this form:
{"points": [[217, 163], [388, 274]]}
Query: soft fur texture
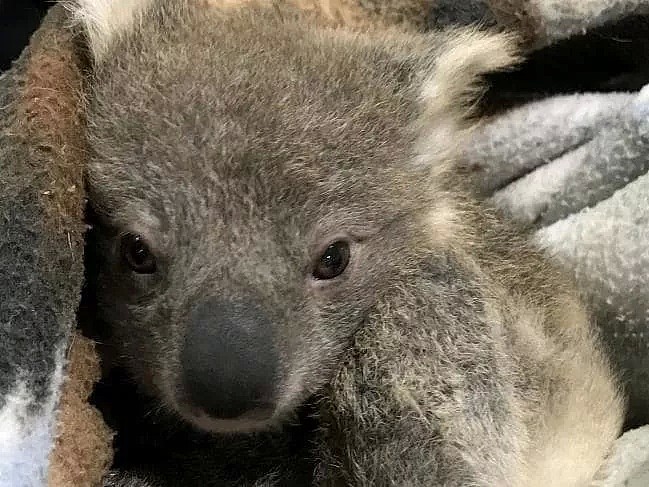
{"points": [[467, 357], [40, 134], [105, 20], [446, 386], [409, 14]]}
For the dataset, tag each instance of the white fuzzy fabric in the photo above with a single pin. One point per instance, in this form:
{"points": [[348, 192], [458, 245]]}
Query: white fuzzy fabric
{"points": [[26, 436], [532, 135], [563, 18], [629, 463]]}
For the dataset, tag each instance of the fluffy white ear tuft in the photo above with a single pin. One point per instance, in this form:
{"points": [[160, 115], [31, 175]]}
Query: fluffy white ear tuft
{"points": [[451, 92], [105, 20]]}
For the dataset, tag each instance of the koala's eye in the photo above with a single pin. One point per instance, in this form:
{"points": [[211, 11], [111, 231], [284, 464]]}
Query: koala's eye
{"points": [[333, 261], [137, 255]]}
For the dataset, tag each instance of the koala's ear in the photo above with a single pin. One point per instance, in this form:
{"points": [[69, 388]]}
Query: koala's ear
{"points": [[454, 83], [103, 21]]}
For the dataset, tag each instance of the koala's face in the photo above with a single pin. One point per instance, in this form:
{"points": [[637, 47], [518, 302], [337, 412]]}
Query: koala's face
{"points": [[256, 196]]}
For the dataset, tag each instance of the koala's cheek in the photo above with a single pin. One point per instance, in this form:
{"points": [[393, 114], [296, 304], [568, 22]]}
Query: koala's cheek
{"points": [[138, 335], [316, 358]]}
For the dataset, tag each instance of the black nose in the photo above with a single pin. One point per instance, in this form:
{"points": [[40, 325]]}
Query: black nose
{"points": [[229, 363]]}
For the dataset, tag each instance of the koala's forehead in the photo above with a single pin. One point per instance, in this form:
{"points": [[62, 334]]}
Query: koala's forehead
{"points": [[217, 110]]}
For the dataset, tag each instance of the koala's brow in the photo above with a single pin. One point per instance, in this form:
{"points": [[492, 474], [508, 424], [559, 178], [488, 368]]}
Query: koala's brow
{"points": [[361, 227], [137, 221], [396, 219]]}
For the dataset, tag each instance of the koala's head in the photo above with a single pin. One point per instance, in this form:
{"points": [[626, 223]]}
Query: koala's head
{"points": [[261, 183]]}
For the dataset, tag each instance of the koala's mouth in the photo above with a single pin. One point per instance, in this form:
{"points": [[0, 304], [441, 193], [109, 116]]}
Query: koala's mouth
{"points": [[258, 419]]}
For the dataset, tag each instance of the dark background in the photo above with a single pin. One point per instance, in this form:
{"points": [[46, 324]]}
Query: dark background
{"points": [[18, 20]]}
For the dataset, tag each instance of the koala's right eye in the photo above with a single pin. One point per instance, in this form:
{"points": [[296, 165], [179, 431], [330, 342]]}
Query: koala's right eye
{"points": [[137, 255], [333, 261]]}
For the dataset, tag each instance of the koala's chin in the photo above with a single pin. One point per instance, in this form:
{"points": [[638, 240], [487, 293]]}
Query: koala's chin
{"points": [[249, 422]]}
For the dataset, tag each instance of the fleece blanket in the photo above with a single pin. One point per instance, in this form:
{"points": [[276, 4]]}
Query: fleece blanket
{"points": [[572, 167], [575, 168], [41, 245]]}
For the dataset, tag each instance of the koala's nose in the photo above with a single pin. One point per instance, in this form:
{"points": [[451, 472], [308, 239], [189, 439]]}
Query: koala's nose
{"points": [[228, 362]]}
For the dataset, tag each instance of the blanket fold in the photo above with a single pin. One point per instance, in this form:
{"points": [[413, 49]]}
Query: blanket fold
{"points": [[576, 169], [41, 244]]}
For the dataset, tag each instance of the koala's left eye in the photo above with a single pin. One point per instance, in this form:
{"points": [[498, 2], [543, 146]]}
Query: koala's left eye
{"points": [[137, 255], [333, 261]]}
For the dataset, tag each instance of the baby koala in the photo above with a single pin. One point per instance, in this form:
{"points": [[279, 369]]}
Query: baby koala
{"points": [[280, 222]]}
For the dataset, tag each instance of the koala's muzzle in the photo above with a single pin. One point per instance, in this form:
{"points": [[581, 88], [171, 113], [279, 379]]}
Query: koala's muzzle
{"points": [[229, 364]]}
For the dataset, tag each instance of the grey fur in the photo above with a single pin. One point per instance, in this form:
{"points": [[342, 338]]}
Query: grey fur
{"points": [[239, 142]]}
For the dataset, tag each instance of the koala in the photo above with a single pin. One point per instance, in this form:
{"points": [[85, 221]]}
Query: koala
{"points": [[279, 223]]}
